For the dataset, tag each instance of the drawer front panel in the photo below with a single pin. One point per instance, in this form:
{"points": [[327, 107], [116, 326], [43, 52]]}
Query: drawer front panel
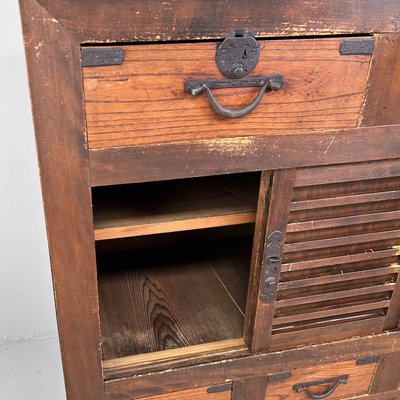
{"points": [[319, 380], [222, 392], [142, 100]]}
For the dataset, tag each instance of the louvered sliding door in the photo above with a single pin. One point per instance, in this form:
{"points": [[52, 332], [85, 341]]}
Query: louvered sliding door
{"points": [[340, 255]]}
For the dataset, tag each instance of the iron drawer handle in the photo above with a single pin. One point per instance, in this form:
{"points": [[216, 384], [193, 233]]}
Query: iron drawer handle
{"points": [[303, 387], [196, 86]]}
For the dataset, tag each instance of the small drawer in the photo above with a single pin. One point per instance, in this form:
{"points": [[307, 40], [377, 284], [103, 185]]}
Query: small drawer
{"points": [[331, 381], [142, 100], [219, 392]]}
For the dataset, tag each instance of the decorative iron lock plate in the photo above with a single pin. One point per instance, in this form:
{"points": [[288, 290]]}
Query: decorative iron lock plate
{"points": [[272, 263], [236, 57]]}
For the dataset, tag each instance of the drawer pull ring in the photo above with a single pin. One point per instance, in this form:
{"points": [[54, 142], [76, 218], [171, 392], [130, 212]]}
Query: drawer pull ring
{"points": [[304, 387], [196, 86]]}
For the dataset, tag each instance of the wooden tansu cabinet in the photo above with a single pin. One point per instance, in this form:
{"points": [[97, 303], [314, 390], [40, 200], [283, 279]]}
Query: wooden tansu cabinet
{"points": [[221, 183]]}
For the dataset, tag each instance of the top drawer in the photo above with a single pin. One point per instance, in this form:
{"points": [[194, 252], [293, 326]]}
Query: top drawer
{"points": [[143, 101]]}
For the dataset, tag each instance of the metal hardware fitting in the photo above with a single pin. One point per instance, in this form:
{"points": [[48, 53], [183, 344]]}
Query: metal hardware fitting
{"points": [[279, 377], [98, 57], [303, 387], [272, 265], [354, 47], [238, 54], [368, 360]]}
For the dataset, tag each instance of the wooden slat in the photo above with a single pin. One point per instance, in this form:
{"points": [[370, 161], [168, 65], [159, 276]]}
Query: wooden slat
{"points": [[147, 209], [330, 313], [335, 295], [393, 313], [59, 119], [341, 241], [277, 212], [205, 393], [344, 200], [230, 347], [346, 259], [134, 385], [343, 221], [155, 20], [382, 100], [159, 111], [220, 156], [347, 173], [370, 326], [370, 273]]}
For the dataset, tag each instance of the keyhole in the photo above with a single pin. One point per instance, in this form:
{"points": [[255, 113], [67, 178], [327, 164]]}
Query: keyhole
{"points": [[245, 54]]}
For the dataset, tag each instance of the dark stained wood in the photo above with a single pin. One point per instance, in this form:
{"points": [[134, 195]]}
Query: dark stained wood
{"points": [[393, 313], [318, 244], [344, 200], [156, 20], [327, 333], [345, 259], [382, 101], [164, 299], [252, 366], [392, 395], [277, 215], [347, 173], [387, 376], [221, 156], [53, 58], [249, 389], [142, 101], [147, 209]]}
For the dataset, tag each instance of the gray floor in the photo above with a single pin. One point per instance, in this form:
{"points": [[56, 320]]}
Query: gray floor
{"points": [[30, 370]]}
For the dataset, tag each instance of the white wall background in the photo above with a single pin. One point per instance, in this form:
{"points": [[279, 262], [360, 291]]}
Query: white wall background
{"points": [[26, 300]]}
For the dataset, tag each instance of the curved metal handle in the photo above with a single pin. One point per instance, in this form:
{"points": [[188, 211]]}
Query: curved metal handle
{"points": [[304, 387], [196, 86], [235, 112]]}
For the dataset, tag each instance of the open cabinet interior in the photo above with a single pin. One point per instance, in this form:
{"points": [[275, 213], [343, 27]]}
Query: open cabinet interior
{"points": [[173, 263]]}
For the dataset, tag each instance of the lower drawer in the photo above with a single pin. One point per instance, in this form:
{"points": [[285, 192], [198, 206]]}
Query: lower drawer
{"points": [[332, 381], [221, 392]]}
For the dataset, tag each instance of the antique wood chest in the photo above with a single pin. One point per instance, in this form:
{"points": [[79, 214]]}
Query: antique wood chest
{"points": [[221, 182]]}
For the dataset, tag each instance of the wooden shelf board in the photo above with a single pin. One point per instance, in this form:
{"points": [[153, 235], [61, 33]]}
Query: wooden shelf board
{"points": [[163, 207]]}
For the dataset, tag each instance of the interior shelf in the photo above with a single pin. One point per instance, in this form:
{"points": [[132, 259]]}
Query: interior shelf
{"points": [[172, 206], [170, 298]]}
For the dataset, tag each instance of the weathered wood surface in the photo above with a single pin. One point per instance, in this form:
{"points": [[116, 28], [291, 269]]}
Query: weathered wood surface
{"points": [[53, 58], [387, 375], [155, 20], [142, 101], [251, 366], [382, 102], [230, 155]]}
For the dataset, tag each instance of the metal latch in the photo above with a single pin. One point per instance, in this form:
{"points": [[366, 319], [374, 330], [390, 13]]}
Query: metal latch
{"points": [[272, 262]]}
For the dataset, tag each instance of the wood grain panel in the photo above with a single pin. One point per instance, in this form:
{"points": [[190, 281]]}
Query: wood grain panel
{"points": [[229, 155], [196, 394], [142, 101], [387, 375], [161, 300], [358, 383], [53, 57], [155, 20]]}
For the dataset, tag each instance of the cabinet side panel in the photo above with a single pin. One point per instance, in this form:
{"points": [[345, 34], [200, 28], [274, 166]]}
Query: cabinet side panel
{"points": [[56, 89]]}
